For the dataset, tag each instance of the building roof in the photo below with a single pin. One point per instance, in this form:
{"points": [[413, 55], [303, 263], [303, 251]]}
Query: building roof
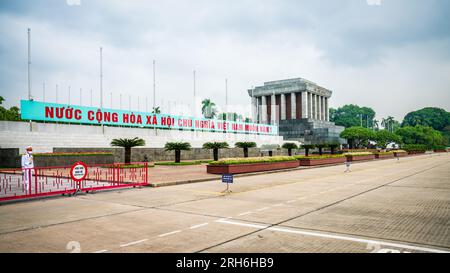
{"points": [[295, 85]]}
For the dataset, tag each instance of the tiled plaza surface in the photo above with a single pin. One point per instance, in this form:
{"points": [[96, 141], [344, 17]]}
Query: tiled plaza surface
{"points": [[380, 206]]}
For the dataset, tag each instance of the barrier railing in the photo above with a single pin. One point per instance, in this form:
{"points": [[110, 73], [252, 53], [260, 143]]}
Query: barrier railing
{"points": [[46, 181]]}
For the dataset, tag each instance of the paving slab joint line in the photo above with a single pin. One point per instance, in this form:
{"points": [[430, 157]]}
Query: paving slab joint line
{"points": [[181, 182]]}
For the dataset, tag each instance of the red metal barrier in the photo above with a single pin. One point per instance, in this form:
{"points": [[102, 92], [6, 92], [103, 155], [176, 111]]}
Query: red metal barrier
{"points": [[45, 181]]}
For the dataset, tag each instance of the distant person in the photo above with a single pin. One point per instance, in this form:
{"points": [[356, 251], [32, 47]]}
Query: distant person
{"points": [[347, 165], [27, 166]]}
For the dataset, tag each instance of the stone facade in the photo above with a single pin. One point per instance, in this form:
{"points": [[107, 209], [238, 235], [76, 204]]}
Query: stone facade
{"points": [[299, 107]]}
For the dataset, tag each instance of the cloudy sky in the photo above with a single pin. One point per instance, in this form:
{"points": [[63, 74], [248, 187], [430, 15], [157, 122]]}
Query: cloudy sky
{"points": [[391, 55]]}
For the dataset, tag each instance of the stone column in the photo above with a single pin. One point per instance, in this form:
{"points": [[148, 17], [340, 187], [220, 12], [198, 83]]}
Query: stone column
{"points": [[320, 107], [254, 109], [310, 105], [293, 106], [317, 106], [263, 109], [283, 107], [273, 109], [305, 104], [327, 110]]}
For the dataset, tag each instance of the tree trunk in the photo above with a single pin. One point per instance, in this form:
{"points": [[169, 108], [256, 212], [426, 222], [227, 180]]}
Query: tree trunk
{"points": [[306, 151], [245, 152], [332, 150], [177, 156], [290, 152], [127, 155], [320, 150], [216, 154]]}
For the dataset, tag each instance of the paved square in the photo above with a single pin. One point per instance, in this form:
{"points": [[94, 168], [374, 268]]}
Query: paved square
{"points": [[380, 206]]}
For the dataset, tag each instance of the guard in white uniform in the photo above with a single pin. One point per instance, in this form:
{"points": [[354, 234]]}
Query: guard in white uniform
{"points": [[27, 167]]}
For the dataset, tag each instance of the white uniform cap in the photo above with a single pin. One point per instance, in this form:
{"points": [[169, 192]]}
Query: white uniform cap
{"points": [[29, 148]]}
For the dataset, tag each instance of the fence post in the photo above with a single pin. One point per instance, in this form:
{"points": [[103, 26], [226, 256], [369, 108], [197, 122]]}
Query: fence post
{"points": [[146, 172]]}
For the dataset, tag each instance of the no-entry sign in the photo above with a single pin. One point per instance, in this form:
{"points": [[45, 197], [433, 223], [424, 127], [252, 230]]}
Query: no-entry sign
{"points": [[79, 171]]}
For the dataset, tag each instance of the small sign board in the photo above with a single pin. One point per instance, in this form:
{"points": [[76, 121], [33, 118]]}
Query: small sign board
{"points": [[79, 171], [227, 178]]}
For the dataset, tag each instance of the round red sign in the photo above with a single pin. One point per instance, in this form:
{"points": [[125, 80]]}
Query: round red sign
{"points": [[79, 171]]}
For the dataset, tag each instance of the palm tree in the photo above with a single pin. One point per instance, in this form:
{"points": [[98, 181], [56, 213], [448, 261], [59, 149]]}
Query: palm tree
{"points": [[156, 110], [388, 123], [177, 147], [375, 124], [245, 146], [127, 143], [289, 146], [208, 108], [215, 146]]}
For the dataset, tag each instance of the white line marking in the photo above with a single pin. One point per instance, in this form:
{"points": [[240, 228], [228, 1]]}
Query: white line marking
{"points": [[134, 243], [337, 237], [245, 213], [261, 209], [291, 201], [241, 224], [198, 226], [278, 205], [100, 251], [169, 233]]}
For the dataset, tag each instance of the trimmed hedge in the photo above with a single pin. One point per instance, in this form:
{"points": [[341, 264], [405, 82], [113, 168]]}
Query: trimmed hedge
{"points": [[183, 163], [314, 157], [250, 160], [358, 154], [383, 153], [415, 148], [72, 154]]}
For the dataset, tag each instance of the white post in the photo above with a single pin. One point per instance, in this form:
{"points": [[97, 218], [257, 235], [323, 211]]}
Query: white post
{"points": [[273, 109], [154, 84], [305, 104], [293, 106], [319, 100], [29, 64], [283, 107], [263, 109]]}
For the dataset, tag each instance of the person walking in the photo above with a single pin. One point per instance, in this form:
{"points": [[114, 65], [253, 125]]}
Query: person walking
{"points": [[347, 165], [27, 167]]}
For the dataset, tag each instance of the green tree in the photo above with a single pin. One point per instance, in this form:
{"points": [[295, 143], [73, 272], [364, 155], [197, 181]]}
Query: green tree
{"points": [[289, 146], [433, 117], [11, 115], [156, 110], [353, 115], [308, 147], [421, 135], [384, 137], [215, 146], [177, 147], [245, 146], [208, 109], [390, 124], [127, 143], [358, 136], [333, 147]]}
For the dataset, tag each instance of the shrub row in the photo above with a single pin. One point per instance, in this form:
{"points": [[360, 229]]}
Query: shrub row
{"points": [[249, 160]]}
